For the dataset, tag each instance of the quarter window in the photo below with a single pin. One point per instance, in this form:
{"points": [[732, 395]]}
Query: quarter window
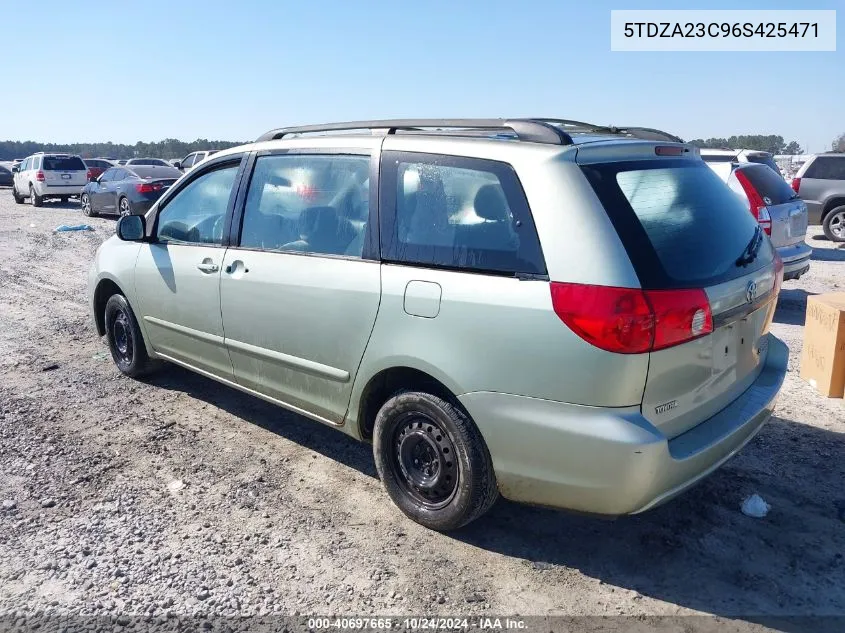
{"points": [[197, 213], [308, 203], [457, 212], [827, 168]]}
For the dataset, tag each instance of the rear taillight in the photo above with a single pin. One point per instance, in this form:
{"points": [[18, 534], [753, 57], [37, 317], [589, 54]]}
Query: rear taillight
{"points": [[757, 205], [631, 320], [796, 184], [147, 187], [39, 176]]}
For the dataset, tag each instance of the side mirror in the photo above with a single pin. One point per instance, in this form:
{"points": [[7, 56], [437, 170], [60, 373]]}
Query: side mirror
{"points": [[177, 164], [130, 228], [15, 169]]}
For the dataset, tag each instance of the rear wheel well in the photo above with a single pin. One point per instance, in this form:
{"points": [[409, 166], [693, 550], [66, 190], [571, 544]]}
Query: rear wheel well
{"points": [[105, 289], [388, 382], [831, 204]]}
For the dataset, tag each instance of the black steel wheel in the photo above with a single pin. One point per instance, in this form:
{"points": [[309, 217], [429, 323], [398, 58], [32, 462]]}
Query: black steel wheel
{"points": [[433, 461], [424, 460], [126, 343]]}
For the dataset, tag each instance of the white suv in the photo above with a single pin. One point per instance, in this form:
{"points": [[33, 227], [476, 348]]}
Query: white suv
{"points": [[193, 159], [43, 176]]}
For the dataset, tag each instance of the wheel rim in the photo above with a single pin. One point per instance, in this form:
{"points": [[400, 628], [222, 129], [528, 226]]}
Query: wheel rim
{"points": [[124, 206], [122, 339], [837, 224], [424, 460], [86, 205]]}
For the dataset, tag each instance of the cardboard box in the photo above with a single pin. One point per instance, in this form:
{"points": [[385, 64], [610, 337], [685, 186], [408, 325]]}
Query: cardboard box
{"points": [[823, 356]]}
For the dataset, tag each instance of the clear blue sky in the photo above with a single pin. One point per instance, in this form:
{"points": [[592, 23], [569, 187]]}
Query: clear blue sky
{"points": [[231, 69]]}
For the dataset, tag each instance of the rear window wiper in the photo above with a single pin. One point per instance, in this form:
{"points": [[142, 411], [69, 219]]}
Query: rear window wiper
{"points": [[750, 252]]}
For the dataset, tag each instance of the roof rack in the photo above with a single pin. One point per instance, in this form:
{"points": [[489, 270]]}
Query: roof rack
{"points": [[651, 134], [534, 130]]}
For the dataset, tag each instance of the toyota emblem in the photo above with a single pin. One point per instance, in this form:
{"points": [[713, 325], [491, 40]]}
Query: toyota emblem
{"points": [[751, 291]]}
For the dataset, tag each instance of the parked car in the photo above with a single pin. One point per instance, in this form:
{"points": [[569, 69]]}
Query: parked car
{"points": [[193, 159], [778, 209], [96, 166], [43, 176], [148, 161], [6, 178], [127, 190], [740, 156], [821, 184], [402, 288]]}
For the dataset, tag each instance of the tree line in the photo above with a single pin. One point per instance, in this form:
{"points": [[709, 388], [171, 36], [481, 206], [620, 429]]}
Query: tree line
{"points": [[771, 143], [169, 148]]}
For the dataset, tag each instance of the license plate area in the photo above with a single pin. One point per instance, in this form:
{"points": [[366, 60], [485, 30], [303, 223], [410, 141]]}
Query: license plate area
{"points": [[65, 176], [739, 345]]}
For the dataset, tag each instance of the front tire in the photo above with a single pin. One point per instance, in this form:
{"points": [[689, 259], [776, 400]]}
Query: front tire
{"points": [[126, 343], [433, 461], [34, 198], [834, 224], [18, 199], [85, 203], [124, 207]]}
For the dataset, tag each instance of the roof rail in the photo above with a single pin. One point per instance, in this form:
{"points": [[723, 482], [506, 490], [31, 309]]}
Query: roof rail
{"points": [[645, 133], [534, 130]]}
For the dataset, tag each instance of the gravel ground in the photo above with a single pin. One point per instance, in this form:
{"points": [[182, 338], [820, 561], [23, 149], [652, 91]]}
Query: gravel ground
{"points": [[179, 495]]}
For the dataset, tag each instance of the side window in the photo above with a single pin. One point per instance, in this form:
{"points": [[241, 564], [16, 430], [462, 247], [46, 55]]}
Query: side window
{"points": [[107, 175], [455, 212], [189, 160], [308, 203], [197, 213]]}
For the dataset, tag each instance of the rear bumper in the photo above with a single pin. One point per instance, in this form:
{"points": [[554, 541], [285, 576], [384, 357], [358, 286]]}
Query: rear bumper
{"points": [[613, 461], [46, 190], [796, 259]]}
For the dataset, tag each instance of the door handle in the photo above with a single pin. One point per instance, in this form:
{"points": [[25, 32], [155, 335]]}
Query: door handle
{"points": [[208, 267]]}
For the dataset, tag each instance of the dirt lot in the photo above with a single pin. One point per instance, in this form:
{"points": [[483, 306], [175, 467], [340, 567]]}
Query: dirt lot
{"points": [[182, 495]]}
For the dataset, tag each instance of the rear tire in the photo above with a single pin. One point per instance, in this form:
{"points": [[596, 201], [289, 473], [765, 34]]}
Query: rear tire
{"points": [[126, 343], [834, 224], [85, 203], [34, 199], [124, 207], [433, 461]]}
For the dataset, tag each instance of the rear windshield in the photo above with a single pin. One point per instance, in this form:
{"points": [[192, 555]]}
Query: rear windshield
{"points": [[148, 161], [769, 184], [63, 163], [680, 224], [764, 159], [156, 172]]}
